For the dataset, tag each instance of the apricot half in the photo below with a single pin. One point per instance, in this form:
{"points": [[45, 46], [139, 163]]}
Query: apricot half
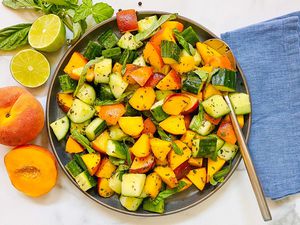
{"points": [[31, 169]]}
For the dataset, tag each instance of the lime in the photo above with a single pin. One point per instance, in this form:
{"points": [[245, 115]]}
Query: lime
{"points": [[30, 68], [47, 33]]}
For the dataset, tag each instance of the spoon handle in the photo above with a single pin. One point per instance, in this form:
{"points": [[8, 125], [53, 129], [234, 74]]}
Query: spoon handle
{"points": [[260, 197]]}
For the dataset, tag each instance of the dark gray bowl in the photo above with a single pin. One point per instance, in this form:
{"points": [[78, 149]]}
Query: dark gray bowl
{"points": [[176, 203]]}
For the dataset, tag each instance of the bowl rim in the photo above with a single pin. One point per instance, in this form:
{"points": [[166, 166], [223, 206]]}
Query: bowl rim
{"points": [[124, 211]]}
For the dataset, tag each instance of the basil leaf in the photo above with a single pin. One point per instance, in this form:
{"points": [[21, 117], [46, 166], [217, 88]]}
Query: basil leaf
{"points": [[182, 41], [102, 11], [21, 4], [167, 193], [127, 152], [112, 102], [14, 36], [83, 11], [165, 137], [148, 32]]}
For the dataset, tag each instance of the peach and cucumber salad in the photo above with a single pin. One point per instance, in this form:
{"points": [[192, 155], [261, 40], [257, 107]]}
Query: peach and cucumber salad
{"points": [[145, 116]]}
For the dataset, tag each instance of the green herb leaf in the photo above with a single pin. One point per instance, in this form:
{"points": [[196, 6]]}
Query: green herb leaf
{"points": [[14, 36], [112, 102], [83, 11], [147, 33], [82, 140], [127, 152], [167, 193], [165, 137], [21, 4], [219, 176], [102, 11], [183, 42], [116, 161]]}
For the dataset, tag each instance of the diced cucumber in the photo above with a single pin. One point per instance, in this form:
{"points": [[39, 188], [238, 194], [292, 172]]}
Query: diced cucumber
{"points": [[190, 36], [227, 151], [112, 53], [86, 94], [207, 148], [102, 70], [108, 39], [92, 50], [197, 58], [73, 168], [128, 56], [161, 94], [115, 182], [192, 83], [80, 127], [224, 80], [117, 84], [105, 93], [133, 184], [85, 181], [95, 128], [67, 84], [127, 41], [130, 203], [148, 205], [115, 149], [240, 103], [216, 106], [116, 161], [203, 127], [79, 161], [157, 111], [170, 52], [146, 23], [139, 61], [116, 133], [80, 111], [60, 127], [220, 142]]}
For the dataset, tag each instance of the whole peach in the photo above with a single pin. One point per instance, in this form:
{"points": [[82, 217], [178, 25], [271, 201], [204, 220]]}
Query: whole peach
{"points": [[21, 116]]}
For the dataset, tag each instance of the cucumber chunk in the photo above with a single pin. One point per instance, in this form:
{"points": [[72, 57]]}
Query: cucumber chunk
{"points": [[220, 142], [146, 23], [115, 149], [228, 151], [95, 128], [190, 36], [133, 184], [130, 203], [216, 106], [240, 103], [80, 111], [117, 84], [127, 41], [224, 80], [80, 127], [86, 94], [157, 112], [170, 52], [116, 133], [139, 61], [112, 53], [202, 127], [102, 70], [85, 181], [108, 39], [207, 148], [60, 127], [115, 183], [67, 84], [92, 50], [73, 168]]}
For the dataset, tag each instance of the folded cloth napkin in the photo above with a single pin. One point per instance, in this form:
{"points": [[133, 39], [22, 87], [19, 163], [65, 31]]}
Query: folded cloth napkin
{"points": [[269, 55]]}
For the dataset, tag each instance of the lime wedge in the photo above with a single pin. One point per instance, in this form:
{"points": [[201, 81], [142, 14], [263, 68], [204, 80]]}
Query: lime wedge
{"points": [[30, 68], [47, 33]]}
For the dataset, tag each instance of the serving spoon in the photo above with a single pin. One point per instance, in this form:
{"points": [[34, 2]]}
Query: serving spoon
{"points": [[224, 49]]}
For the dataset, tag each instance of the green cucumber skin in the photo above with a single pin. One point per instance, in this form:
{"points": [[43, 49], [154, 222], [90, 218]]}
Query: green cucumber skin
{"points": [[108, 39], [85, 181], [95, 128], [224, 80], [73, 168], [190, 36], [192, 83], [113, 53], [130, 111], [60, 127], [116, 149], [105, 93], [87, 94], [67, 84], [157, 111], [92, 50], [169, 49], [79, 161], [207, 148], [128, 55]]}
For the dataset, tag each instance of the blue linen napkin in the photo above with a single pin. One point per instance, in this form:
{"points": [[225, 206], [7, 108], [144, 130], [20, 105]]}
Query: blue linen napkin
{"points": [[269, 55]]}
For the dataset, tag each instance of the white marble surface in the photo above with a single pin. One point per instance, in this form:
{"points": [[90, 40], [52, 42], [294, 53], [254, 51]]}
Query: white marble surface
{"points": [[234, 204]]}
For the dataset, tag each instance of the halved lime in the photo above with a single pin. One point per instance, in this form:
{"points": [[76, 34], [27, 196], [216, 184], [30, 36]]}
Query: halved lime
{"points": [[47, 33], [30, 68]]}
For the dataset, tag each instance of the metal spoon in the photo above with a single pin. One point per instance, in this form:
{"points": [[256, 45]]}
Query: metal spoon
{"points": [[224, 49]]}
